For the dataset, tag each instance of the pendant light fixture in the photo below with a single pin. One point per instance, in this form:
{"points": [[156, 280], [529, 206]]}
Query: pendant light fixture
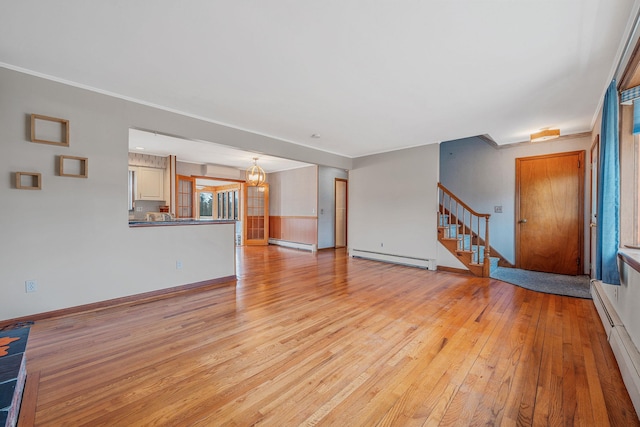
{"points": [[255, 176]]}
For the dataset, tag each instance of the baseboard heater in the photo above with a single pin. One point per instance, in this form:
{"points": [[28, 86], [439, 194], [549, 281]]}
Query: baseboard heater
{"points": [[625, 351], [295, 245], [429, 264], [605, 309]]}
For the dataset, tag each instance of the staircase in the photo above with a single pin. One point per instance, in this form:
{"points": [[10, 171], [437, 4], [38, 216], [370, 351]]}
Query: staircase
{"points": [[465, 233]]}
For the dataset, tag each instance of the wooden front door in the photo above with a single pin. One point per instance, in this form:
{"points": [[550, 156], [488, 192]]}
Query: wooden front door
{"points": [[549, 212], [256, 215]]}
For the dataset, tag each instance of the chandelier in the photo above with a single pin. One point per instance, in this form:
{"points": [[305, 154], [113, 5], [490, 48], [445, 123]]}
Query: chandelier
{"points": [[255, 176]]}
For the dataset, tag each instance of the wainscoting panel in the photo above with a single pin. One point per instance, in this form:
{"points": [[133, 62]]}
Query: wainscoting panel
{"points": [[301, 229]]}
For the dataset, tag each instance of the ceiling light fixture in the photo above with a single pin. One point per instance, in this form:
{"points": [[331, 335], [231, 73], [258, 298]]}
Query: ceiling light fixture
{"points": [[255, 175], [545, 135]]}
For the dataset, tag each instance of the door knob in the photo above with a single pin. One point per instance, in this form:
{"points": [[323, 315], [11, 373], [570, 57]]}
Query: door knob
{"points": [[523, 221], [593, 224]]}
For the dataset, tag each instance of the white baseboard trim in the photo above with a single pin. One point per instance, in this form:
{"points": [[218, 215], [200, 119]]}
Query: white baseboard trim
{"points": [[312, 247], [625, 351], [429, 264]]}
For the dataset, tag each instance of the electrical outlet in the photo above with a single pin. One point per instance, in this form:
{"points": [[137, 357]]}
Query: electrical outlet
{"points": [[497, 209], [179, 265], [30, 286]]}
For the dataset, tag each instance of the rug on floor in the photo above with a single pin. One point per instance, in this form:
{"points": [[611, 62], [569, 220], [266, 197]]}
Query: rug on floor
{"points": [[558, 284]]}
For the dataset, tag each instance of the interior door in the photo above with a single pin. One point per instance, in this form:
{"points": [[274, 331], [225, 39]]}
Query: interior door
{"points": [[185, 196], [549, 212], [256, 215], [595, 151], [340, 213]]}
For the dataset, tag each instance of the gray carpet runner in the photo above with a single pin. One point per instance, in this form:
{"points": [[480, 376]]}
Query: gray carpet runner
{"points": [[558, 284]]}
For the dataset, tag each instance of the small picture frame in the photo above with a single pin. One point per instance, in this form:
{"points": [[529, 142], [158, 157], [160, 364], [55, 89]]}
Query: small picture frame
{"points": [[73, 166], [49, 130], [28, 181]]}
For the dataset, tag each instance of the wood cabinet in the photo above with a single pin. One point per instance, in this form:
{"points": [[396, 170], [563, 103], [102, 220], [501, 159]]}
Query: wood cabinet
{"points": [[149, 183]]}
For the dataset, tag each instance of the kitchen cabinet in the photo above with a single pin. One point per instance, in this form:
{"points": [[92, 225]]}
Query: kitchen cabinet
{"points": [[149, 183]]}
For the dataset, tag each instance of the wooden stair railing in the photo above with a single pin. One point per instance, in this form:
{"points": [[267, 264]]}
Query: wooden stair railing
{"points": [[464, 232]]}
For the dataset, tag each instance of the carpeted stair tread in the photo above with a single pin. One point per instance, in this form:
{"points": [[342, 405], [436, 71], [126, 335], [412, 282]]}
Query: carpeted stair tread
{"points": [[493, 260]]}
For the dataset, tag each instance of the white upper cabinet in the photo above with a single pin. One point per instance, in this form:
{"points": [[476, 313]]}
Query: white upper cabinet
{"points": [[150, 184]]}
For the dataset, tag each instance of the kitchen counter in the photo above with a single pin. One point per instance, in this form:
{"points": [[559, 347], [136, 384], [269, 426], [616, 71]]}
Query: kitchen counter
{"points": [[186, 221]]}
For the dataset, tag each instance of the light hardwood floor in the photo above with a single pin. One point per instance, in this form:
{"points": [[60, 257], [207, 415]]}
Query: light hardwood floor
{"points": [[321, 339]]}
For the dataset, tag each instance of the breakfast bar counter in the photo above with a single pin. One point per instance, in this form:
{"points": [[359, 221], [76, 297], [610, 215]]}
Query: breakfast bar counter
{"points": [[174, 222]]}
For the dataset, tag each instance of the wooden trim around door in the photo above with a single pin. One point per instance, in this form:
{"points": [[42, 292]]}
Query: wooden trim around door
{"points": [[346, 213]]}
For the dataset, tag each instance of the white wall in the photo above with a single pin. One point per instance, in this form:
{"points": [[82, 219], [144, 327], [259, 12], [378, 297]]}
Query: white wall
{"points": [[327, 205], [218, 171], [393, 202], [294, 192], [73, 235], [188, 169], [484, 177], [625, 299]]}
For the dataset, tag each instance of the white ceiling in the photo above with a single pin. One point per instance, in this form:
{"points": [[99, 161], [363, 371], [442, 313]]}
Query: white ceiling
{"points": [[368, 76]]}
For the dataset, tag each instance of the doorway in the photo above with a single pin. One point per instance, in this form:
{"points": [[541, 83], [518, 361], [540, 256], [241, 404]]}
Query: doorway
{"points": [[593, 223], [549, 213], [256, 215], [340, 213]]}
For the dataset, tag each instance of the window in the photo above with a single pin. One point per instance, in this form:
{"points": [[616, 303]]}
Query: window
{"points": [[206, 204], [228, 204], [629, 180], [629, 115]]}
